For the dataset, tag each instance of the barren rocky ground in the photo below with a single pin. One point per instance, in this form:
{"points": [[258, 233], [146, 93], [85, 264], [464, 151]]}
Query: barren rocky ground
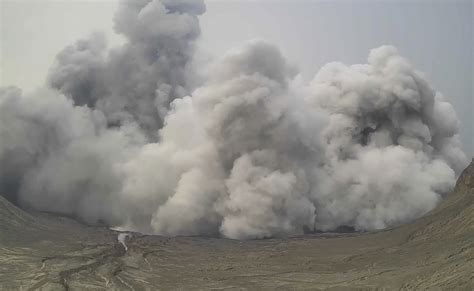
{"points": [[47, 252]]}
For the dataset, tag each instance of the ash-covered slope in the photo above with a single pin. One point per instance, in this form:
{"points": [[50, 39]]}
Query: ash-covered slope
{"points": [[41, 251]]}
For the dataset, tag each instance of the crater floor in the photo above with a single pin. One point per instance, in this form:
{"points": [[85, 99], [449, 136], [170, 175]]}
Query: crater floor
{"points": [[46, 252]]}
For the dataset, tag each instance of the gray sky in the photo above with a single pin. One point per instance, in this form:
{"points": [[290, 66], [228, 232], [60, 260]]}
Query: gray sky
{"points": [[437, 36]]}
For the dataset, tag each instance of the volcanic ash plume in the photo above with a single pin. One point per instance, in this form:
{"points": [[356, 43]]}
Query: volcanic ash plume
{"points": [[124, 138], [135, 82]]}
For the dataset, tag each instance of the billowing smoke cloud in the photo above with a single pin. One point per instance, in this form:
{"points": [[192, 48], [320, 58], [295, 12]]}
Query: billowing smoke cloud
{"points": [[135, 82], [124, 138]]}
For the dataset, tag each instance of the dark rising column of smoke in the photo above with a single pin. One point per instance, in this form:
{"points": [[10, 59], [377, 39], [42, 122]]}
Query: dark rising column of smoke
{"points": [[135, 82]]}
